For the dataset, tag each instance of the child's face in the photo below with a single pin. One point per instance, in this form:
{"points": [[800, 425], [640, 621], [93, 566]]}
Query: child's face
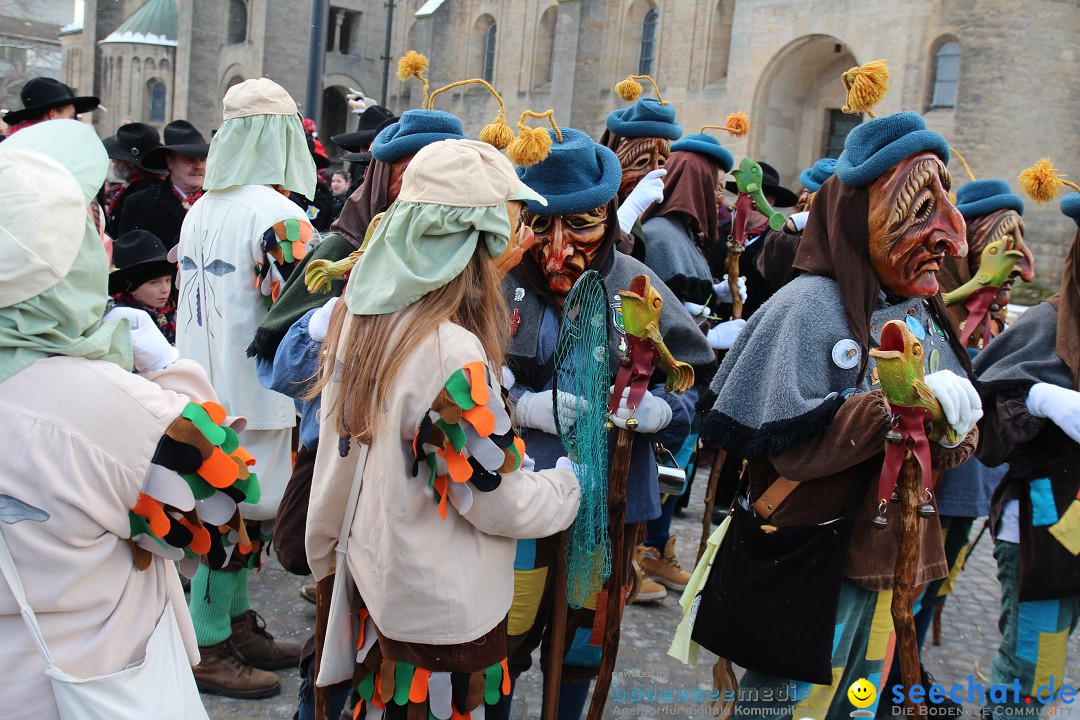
{"points": [[154, 293], [338, 184]]}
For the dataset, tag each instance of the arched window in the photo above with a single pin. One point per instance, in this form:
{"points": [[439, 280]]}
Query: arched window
{"points": [[719, 41], [544, 58], [648, 42], [489, 54], [237, 22], [946, 76], [157, 102]]}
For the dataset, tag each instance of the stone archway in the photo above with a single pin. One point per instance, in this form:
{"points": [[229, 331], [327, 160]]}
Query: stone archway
{"points": [[797, 102]]}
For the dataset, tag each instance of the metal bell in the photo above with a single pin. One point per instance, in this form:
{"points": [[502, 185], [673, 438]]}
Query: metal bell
{"points": [[926, 509], [881, 522], [608, 425], [631, 423], [895, 495], [624, 360], [893, 436]]}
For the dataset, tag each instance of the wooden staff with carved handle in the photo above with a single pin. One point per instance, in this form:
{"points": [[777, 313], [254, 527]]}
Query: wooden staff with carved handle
{"points": [[641, 306], [748, 178]]}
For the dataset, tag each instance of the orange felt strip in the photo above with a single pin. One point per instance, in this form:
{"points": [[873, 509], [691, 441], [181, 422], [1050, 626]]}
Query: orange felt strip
{"points": [[457, 465], [241, 530], [298, 249], [506, 677], [477, 382], [482, 420], [150, 509], [278, 255], [419, 688], [376, 699], [244, 455], [362, 613], [441, 489], [455, 715], [215, 411], [520, 445], [219, 469], [200, 541], [358, 708]]}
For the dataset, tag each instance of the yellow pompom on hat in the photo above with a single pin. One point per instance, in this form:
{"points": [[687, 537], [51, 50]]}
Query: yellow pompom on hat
{"points": [[496, 133], [1042, 181], [866, 86], [646, 117]]}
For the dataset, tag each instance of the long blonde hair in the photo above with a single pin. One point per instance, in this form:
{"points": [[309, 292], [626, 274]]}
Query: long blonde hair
{"points": [[378, 345]]}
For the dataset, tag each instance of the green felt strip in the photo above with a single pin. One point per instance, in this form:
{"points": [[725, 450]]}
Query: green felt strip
{"points": [[202, 421], [431, 463], [460, 390], [292, 229], [454, 433], [250, 488], [286, 252], [199, 487], [366, 688], [232, 440], [403, 682], [492, 684], [138, 525]]}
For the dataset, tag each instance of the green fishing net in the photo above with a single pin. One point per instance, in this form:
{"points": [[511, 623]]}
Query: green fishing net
{"points": [[582, 381]]}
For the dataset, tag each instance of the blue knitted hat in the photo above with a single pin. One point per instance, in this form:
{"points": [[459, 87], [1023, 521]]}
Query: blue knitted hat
{"points": [[813, 176], [413, 130], [577, 175], [980, 197], [877, 145], [1070, 205], [703, 144], [645, 118]]}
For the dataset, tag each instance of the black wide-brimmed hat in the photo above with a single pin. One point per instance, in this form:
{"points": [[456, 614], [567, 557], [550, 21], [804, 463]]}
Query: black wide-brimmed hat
{"points": [[372, 120], [41, 94], [770, 185], [180, 137], [133, 143], [138, 257]]}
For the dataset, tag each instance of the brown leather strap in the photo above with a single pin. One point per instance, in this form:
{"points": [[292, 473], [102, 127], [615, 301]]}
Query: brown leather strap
{"points": [[773, 496]]}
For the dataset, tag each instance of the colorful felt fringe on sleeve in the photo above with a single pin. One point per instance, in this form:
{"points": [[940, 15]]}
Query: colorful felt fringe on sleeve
{"points": [[466, 437], [284, 245], [443, 695], [189, 504]]}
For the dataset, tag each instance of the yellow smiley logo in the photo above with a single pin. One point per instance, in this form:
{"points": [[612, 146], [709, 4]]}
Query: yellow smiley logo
{"points": [[862, 693]]}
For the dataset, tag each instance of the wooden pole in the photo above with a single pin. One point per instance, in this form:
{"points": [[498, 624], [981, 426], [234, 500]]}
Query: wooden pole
{"points": [[907, 560], [553, 677], [710, 500], [323, 589], [620, 466]]}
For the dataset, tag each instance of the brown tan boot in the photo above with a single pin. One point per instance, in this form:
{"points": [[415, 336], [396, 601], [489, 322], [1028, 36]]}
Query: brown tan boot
{"points": [[258, 647], [647, 590], [664, 569], [223, 672], [308, 592]]}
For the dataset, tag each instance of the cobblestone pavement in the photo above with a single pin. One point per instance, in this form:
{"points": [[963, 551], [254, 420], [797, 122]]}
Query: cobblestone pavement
{"points": [[969, 639]]}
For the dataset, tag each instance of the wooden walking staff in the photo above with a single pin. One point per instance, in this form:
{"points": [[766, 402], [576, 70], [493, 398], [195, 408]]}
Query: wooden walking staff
{"points": [[748, 178], [906, 476], [641, 306]]}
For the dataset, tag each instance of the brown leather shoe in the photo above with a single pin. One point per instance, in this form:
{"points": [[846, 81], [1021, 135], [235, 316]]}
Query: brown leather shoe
{"points": [[664, 569], [223, 672], [258, 647], [643, 589]]}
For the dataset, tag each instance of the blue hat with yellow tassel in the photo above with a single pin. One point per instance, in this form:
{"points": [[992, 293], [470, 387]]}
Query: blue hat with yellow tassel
{"points": [[646, 117]]}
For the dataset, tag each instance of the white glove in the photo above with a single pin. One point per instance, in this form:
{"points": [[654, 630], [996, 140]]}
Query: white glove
{"points": [[1059, 405], [723, 336], [799, 220], [564, 463], [653, 414], [958, 399], [723, 290], [696, 310], [536, 410], [152, 351], [527, 462], [649, 189], [319, 322]]}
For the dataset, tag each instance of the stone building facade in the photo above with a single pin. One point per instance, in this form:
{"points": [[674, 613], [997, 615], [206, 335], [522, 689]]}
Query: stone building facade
{"points": [[28, 43], [1000, 79]]}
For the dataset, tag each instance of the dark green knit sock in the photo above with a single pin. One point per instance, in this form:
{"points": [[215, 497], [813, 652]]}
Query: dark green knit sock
{"points": [[212, 594]]}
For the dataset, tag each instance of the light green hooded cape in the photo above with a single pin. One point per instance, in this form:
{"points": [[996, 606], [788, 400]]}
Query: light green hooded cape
{"points": [[63, 315]]}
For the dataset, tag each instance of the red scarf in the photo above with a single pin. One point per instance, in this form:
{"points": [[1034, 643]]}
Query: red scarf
{"points": [[165, 316], [186, 201], [117, 190]]}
